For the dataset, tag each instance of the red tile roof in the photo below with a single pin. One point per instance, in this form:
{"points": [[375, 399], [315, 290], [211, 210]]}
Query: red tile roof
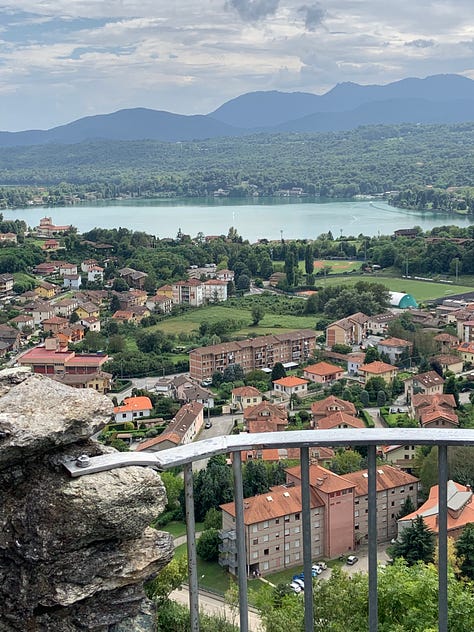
{"points": [[388, 477], [323, 368], [132, 404], [338, 419], [377, 367], [290, 381]]}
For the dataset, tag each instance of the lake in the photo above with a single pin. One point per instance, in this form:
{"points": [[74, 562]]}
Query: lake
{"points": [[254, 219]]}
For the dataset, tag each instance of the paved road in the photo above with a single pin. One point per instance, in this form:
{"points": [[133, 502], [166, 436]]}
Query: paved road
{"points": [[212, 604], [221, 426]]}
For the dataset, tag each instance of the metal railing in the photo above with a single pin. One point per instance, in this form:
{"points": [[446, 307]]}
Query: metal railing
{"points": [[305, 439]]}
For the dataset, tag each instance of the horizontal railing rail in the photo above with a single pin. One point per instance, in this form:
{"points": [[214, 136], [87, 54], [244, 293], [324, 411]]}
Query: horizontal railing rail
{"points": [[304, 440]]}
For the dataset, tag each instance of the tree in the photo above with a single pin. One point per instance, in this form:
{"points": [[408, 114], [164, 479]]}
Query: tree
{"points": [[243, 282], [116, 344], [207, 546], [371, 355], [233, 373], [212, 487], [257, 314], [381, 398], [451, 387], [364, 398], [464, 547], [407, 508], [120, 285], [168, 579], [416, 543], [278, 371], [346, 461], [255, 478], [213, 519], [308, 259]]}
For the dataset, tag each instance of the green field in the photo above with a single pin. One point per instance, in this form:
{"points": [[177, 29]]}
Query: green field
{"points": [[337, 266], [270, 323], [421, 290]]}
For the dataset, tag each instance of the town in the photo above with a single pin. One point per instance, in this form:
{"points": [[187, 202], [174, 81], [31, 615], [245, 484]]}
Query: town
{"points": [[196, 338]]}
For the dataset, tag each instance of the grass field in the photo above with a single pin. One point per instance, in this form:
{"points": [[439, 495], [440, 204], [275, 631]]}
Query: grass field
{"points": [[421, 290], [337, 267], [270, 323]]}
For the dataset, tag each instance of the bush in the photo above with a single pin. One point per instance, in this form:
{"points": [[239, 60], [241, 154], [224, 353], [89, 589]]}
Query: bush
{"points": [[208, 545]]}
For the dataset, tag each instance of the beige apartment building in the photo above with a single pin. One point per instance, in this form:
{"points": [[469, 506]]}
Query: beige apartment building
{"points": [[262, 352], [339, 517]]}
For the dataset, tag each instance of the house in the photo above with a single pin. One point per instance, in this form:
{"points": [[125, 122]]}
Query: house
{"points": [[87, 264], [338, 420], [466, 349], [460, 510], [8, 237], [181, 430], [132, 298], [66, 306], [378, 323], [323, 372], [100, 381], [51, 244], [48, 268], [46, 290], [401, 456], [467, 331], [446, 343], [245, 396], [265, 417], [378, 369], [328, 406], [88, 309], [159, 303], [133, 409], [6, 282], [435, 411], [347, 331], [10, 338], [67, 268], [40, 310], [124, 316], [290, 385], [54, 324], [429, 383], [395, 349], [194, 393], [23, 321], [95, 274], [134, 278], [354, 361], [51, 359], [167, 290], [225, 275], [449, 362], [190, 292], [215, 290], [72, 281], [70, 333], [91, 324]]}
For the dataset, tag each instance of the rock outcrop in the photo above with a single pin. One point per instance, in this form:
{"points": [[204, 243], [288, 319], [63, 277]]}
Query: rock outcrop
{"points": [[74, 553]]}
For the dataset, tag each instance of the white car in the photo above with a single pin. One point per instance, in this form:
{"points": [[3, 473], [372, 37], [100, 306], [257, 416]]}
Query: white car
{"points": [[299, 582], [352, 559], [295, 587], [316, 569]]}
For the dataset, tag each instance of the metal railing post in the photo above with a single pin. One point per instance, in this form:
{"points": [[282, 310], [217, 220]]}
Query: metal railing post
{"points": [[372, 524], [307, 552], [443, 538], [241, 548], [191, 547]]}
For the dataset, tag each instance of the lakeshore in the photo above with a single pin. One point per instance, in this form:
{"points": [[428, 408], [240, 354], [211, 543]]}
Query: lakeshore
{"points": [[254, 219]]}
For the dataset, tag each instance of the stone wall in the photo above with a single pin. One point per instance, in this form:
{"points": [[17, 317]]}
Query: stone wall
{"points": [[74, 553]]}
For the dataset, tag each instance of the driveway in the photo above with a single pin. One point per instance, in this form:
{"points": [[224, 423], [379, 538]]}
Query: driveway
{"points": [[362, 566]]}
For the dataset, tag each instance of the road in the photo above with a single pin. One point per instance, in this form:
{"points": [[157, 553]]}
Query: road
{"points": [[221, 426], [213, 605]]}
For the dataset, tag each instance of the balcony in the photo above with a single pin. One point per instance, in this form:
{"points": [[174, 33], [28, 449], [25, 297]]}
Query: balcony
{"points": [[304, 440]]}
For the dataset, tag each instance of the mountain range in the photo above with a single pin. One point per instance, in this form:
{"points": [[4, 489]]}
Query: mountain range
{"points": [[435, 99]]}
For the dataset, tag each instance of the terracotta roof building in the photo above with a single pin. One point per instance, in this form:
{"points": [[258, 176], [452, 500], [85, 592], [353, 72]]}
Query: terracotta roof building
{"points": [[245, 396], [181, 430], [290, 385], [378, 369], [323, 372]]}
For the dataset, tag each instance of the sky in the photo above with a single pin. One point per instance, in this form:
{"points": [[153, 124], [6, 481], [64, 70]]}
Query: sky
{"points": [[61, 60]]}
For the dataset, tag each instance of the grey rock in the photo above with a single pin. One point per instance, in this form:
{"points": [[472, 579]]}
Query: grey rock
{"points": [[74, 553]]}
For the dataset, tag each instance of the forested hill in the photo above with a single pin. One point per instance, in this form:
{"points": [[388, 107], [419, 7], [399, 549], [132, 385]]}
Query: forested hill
{"points": [[337, 164]]}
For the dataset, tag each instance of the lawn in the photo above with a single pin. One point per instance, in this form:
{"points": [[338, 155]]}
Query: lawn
{"points": [[178, 529], [271, 323], [337, 266], [211, 576], [421, 290]]}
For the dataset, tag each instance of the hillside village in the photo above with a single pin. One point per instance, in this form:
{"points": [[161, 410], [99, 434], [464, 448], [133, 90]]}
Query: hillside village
{"points": [[76, 313]]}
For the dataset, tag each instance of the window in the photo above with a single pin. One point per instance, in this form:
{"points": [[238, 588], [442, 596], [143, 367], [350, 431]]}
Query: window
{"points": [[297, 544], [277, 535], [287, 518], [265, 524], [411, 488], [393, 503], [297, 530], [254, 527], [265, 566], [277, 521], [297, 556], [266, 551], [297, 516], [277, 548], [356, 513], [255, 541], [265, 538], [287, 546], [255, 555], [287, 532]]}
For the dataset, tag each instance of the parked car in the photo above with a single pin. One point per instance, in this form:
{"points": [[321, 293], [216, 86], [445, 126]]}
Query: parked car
{"points": [[208, 425], [316, 570], [295, 587], [299, 582], [352, 559], [322, 565]]}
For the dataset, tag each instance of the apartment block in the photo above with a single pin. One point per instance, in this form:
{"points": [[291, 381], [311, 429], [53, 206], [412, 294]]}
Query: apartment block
{"points": [[254, 353]]}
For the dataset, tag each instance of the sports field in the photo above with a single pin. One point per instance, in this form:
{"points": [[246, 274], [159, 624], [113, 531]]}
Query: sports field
{"points": [[337, 267], [420, 290]]}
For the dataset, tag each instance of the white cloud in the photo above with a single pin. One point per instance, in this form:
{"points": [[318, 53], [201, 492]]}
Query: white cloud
{"points": [[57, 64]]}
